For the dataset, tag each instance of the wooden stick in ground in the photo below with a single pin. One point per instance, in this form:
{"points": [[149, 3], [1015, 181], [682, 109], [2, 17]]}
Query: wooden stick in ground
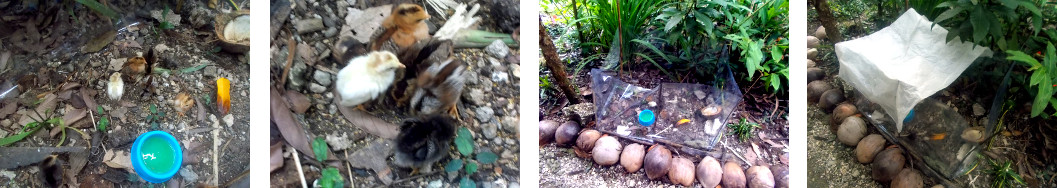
{"points": [[291, 44], [300, 173], [550, 54]]}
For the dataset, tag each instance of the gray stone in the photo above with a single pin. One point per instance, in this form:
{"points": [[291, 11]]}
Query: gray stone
{"points": [[323, 78], [210, 71], [500, 77], [434, 183], [338, 143], [308, 25], [583, 112], [476, 97], [510, 124], [497, 49], [513, 185], [297, 72], [316, 88], [188, 174], [330, 32], [978, 110], [229, 120], [484, 114], [489, 130]]}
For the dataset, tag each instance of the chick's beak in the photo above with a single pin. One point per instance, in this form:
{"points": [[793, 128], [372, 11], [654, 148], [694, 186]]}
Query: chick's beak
{"points": [[400, 65]]}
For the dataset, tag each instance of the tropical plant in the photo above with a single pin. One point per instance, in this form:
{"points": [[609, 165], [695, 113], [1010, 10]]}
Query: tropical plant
{"points": [[743, 129], [1043, 77], [991, 22], [621, 22], [464, 144], [1004, 174]]}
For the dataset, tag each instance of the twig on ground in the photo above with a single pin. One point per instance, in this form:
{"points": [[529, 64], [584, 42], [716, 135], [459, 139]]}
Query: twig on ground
{"points": [[413, 177], [724, 143], [292, 46], [300, 172]]}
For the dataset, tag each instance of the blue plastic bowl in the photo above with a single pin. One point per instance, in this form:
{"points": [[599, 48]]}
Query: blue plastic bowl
{"points": [[141, 169], [646, 118]]}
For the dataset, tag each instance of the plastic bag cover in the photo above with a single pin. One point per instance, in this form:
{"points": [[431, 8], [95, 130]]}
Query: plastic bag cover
{"points": [[904, 63]]}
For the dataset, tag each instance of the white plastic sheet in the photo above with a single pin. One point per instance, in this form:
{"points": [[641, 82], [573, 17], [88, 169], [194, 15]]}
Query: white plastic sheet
{"points": [[904, 63]]}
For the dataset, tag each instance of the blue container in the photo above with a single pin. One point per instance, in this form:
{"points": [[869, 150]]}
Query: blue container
{"points": [[168, 159], [646, 118]]}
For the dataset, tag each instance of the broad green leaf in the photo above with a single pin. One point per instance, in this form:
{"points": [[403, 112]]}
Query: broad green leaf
{"points": [[471, 167], [487, 157], [331, 178], [466, 182], [453, 166], [464, 133], [675, 20], [1025, 58], [464, 145], [706, 22], [319, 147], [100, 109], [1042, 98], [153, 109], [980, 22], [103, 122]]}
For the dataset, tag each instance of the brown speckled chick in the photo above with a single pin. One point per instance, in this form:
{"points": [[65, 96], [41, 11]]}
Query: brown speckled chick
{"points": [[443, 80]]}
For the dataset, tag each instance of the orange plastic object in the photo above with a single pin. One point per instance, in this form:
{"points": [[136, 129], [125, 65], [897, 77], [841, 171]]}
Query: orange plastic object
{"points": [[223, 95]]}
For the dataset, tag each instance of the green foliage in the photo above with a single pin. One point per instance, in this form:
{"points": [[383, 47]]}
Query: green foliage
{"points": [[320, 148], [165, 24], [1004, 174], [331, 177], [154, 117], [26, 131], [1043, 77], [453, 166], [991, 22], [471, 168], [464, 141], [103, 120], [755, 29], [743, 129], [487, 157], [466, 182], [630, 23], [99, 8]]}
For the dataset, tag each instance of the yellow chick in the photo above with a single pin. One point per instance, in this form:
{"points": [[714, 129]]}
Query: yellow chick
{"points": [[367, 76], [116, 87]]}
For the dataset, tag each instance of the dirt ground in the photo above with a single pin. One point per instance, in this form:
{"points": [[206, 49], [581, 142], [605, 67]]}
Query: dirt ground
{"points": [[488, 106], [48, 56]]}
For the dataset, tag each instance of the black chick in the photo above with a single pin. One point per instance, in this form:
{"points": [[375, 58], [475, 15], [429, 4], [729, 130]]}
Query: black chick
{"points": [[51, 171], [424, 141]]}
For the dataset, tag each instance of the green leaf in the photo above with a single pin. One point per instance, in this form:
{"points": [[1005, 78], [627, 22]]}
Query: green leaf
{"points": [[99, 108], [98, 7], [466, 182], [454, 165], [153, 109], [17, 137], [471, 167], [103, 122], [319, 146], [192, 69], [464, 133], [673, 22], [1025, 58], [464, 145], [1042, 98], [980, 22], [487, 157], [331, 178]]}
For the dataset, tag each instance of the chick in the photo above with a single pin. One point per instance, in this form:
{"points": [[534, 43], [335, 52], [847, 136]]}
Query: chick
{"points": [[405, 26], [365, 77], [135, 66], [424, 141], [182, 103], [443, 80], [116, 87], [51, 171]]}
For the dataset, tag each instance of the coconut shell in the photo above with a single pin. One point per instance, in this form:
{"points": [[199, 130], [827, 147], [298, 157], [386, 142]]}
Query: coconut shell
{"points": [[813, 42], [812, 54], [811, 64], [681, 171], [820, 32], [657, 161], [547, 129], [733, 176], [631, 157], [567, 133], [586, 142], [709, 173], [606, 151], [815, 74], [887, 164], [843, 111], [815, 90], [908, 178], [974, 134], [868, 148], [781, 176], [830, 99], [851, 131], [760, 177]]}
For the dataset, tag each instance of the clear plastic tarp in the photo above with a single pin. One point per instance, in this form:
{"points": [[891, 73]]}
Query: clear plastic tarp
{"points": [[705, 109]]}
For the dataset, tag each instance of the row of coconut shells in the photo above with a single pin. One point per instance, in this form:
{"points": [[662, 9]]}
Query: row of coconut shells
{"points": [[887, 160], [657, 160]]}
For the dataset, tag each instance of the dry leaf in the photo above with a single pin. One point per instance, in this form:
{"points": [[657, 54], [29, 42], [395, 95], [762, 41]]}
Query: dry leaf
{"points": [[291, 130], [223, 95], [44, 109], [367, 122], [86, 96], [10, 107], [298, 102], [373, 157], [118, 159], [73, 115], [277, 156]]}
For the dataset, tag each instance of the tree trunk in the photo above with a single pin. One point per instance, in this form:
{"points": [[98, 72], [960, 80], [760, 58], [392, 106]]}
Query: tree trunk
{"points": [[825, 15], [550, 54]]}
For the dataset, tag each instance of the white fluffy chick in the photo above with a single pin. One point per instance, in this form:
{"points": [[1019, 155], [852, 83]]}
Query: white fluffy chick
{"points": [[366, 77], [116, 87]]}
